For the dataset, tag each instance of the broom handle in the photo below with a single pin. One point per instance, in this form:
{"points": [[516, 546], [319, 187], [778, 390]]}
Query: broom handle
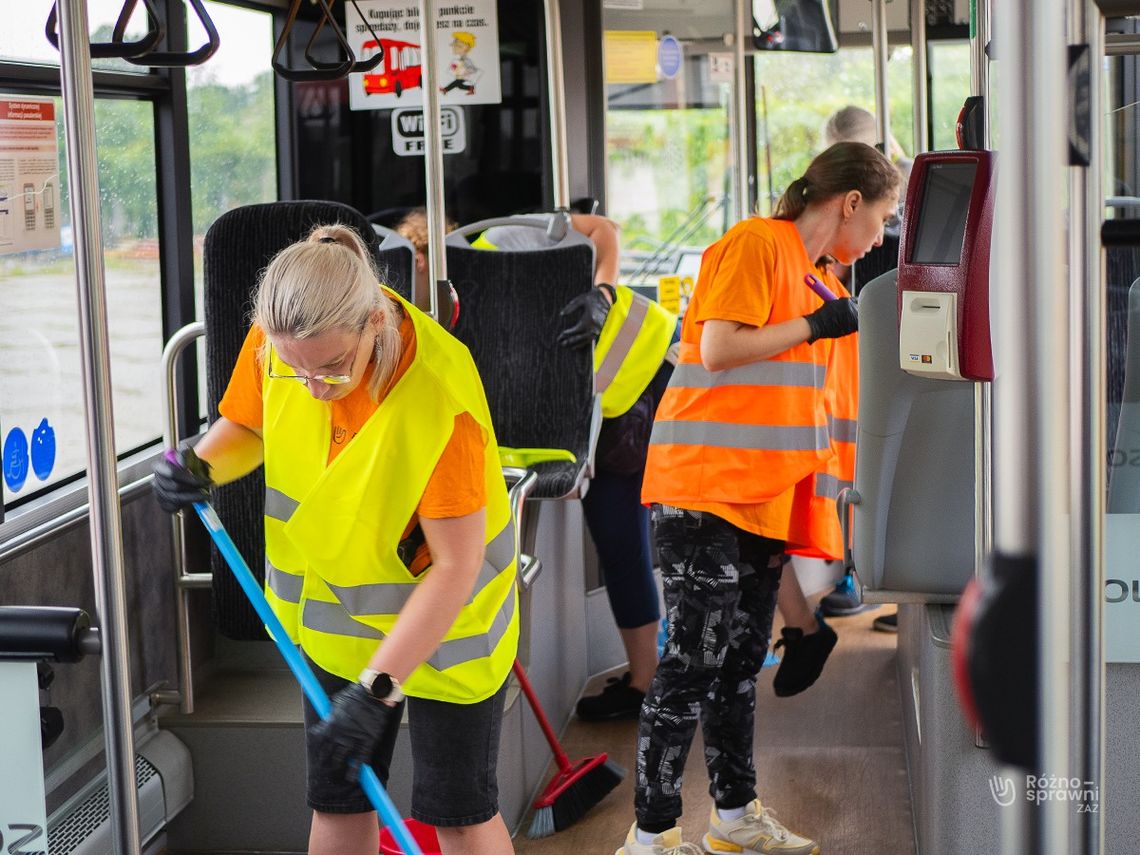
{"points": [[559, 755], [301, 670]]}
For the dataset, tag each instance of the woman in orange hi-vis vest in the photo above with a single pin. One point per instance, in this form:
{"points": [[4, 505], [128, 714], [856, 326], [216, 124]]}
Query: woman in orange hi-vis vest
{"points": [[743, 424]]}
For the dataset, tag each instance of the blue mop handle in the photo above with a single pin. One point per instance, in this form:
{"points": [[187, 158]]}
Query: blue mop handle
{"points": [[301, 670]]}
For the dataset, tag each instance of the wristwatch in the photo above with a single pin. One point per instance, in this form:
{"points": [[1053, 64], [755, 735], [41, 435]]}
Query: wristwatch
{"points": [[383, 687]]}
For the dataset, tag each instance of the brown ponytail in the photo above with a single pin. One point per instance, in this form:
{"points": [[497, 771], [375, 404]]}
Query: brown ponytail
{"points": [[843, 167]]}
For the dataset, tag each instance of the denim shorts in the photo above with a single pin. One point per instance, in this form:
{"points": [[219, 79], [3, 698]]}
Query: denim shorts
{"points": [[455, 750]]}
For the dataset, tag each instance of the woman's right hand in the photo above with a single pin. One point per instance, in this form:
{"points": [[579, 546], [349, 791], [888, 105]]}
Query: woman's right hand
{"points": [[181, 479], [834, 319]]}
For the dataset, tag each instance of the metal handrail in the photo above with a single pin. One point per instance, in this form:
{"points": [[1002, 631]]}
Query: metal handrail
{"points": [[106, 514], [183, 693]]}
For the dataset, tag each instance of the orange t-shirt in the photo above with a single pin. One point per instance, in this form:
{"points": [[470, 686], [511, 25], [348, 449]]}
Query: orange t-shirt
{"points": [[739, 274], [456, 486]]}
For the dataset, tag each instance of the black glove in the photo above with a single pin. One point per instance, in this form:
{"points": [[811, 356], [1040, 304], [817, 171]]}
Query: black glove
{"points": [[352, 731], [182, 481], [834, 319], [594, 308]]}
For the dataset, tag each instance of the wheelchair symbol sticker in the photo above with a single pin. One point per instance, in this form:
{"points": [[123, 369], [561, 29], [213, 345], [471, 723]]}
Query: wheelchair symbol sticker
{"points": [[15, 459]]}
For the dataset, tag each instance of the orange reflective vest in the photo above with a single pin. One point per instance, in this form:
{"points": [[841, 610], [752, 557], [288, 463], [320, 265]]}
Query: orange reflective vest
{"points": [[744, 435], [815, 530]]}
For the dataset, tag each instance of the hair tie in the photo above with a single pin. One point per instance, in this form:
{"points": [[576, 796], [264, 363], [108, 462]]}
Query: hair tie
{"points": [[326, 239]]}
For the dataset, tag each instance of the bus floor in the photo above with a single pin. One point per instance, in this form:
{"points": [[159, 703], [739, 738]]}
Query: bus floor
{"points": [[830, 761]]}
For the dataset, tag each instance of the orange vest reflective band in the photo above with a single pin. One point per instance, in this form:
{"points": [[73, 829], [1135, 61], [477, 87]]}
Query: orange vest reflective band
{"points": [[743, 435], [815, 527]]}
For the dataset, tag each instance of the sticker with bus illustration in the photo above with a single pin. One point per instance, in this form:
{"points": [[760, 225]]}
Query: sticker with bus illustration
{"points": [[397, 72]]}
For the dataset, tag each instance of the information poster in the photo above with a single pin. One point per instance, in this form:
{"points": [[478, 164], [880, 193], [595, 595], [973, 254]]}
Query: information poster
{"points": [[466, 52], [631, 56], [29, 175]]}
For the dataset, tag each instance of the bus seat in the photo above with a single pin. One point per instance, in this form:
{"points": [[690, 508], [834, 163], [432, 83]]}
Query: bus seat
{"points": [[541, 394], [397, 260], [913, 519], [1124, 459], [237, 247]]}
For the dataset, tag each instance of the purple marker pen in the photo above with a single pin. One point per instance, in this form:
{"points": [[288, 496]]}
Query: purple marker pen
{"points": [[824, 293]]}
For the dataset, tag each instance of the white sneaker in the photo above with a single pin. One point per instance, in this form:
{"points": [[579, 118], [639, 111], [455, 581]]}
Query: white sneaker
{"points": [[666, 843], [758, 831]]}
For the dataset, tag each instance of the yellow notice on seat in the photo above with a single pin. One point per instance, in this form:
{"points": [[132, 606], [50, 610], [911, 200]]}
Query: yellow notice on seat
{"points": [[631, 56]]}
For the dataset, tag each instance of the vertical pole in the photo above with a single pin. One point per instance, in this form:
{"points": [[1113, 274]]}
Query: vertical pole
{"points": [[1031, 460], [1088, 311], [983, 392], [556, 89], [433, 160], [980, 65], [918, 61], [882, 56], [102, 477], [740, 107]]}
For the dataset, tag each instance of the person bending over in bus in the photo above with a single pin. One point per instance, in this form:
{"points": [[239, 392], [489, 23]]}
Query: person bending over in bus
{"points": [[806, 639], [742, 432], [414, 227], [386, 517], [618, 522], [855, 123]]}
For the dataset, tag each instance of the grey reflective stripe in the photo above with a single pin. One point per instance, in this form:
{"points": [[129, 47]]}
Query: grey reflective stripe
{"points": [[828, 486], [287, 586], [842, 430], [460, 650], [333, 619], [693, 375], [743, 436], [387, 598], [621, 345], [278, 505]]}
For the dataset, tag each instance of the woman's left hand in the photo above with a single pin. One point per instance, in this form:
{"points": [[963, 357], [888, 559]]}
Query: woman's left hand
{"points": [[349, 736]]}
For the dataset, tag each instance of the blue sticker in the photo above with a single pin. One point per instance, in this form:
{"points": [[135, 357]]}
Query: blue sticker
{"points": [[43, 450], [669, 57], [15, 459]]}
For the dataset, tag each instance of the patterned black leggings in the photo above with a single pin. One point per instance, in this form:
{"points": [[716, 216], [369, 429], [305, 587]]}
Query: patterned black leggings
{"points": [[721, 596]]}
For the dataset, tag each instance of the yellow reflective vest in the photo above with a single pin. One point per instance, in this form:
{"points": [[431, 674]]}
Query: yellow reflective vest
{"points": [[332, 529], [632, 345]]}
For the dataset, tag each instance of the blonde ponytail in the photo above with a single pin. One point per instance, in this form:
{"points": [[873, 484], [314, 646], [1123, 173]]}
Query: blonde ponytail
{"points": [[329, 282]]}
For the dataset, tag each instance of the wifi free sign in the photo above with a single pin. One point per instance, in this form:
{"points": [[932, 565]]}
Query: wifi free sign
{"points": [[408, 131]]}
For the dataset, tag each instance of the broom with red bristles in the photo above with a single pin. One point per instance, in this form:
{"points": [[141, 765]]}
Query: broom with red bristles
{"points": [[577, 787]]}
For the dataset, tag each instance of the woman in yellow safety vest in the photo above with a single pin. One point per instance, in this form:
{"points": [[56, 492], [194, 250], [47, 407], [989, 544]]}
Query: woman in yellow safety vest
{"points": [[743, 424], [389, 542]]}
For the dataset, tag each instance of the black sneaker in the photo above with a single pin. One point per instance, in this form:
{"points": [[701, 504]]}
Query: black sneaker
{"points": [[886, 623], [803, 659], [618, 700]]}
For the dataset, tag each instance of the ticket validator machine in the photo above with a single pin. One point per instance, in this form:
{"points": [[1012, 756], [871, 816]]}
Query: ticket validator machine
{"points": [[944, 267]]}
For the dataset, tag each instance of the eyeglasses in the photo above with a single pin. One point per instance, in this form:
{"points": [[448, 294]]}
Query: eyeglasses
{"points": [[327, 379]]}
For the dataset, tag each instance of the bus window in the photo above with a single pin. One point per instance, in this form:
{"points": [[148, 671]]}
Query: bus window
{"points": [[233, 135], [22, 36], [41, 387]]}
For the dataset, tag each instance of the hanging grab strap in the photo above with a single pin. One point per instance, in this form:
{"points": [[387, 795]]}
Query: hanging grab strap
{"points": [[319, 69], [117, 48]]}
